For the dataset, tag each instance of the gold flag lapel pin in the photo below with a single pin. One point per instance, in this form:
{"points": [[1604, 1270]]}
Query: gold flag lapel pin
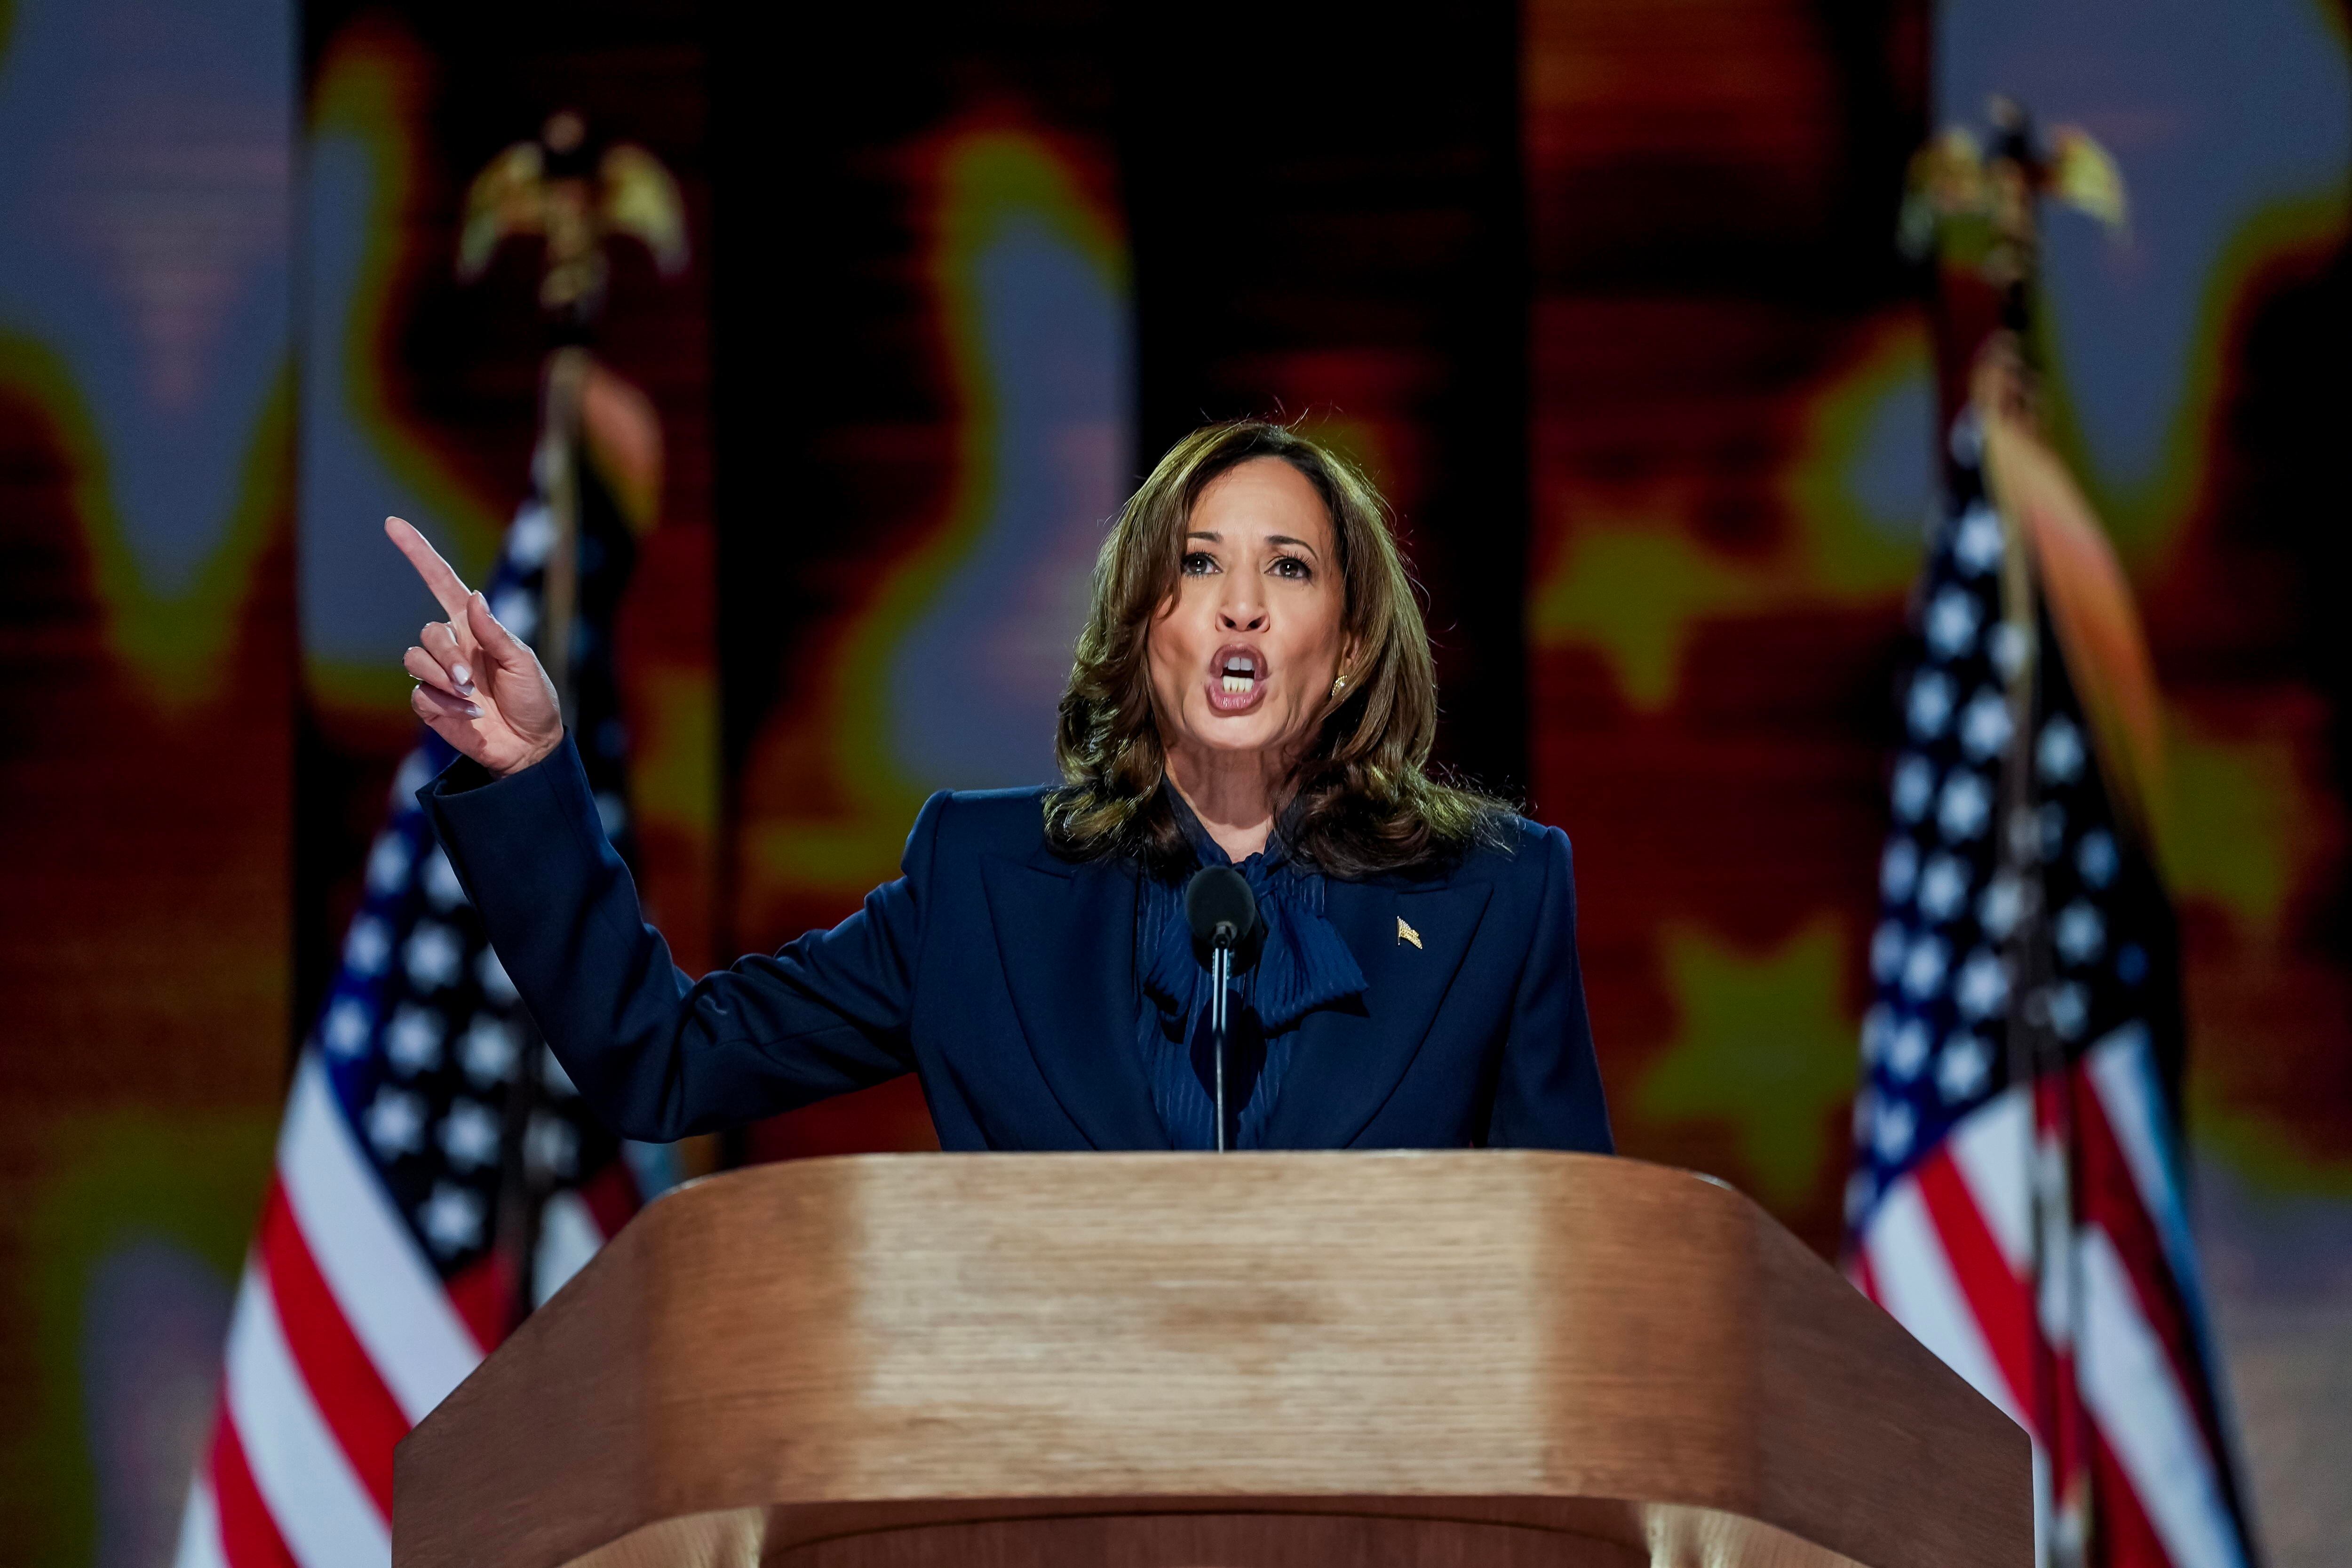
{"points": [[1405, 933]]}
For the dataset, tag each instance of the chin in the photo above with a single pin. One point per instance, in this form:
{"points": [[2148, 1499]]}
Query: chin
{"points": [[1254, 733]]}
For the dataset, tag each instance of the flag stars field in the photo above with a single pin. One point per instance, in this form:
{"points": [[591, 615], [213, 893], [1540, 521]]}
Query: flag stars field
{"points": [[413, 1041], [1977, 545], [1906, 1052], [2058, 755], [387, 864], [1944, 889], [492, 976], [469, 1135], [1952, 621], [1997, 912], [2080, 933], [2096, 858], [1887, 950], [2005, 647], [1930, 705], [1966, 1065], [517, 612], [442, 888], [551, 1146], [1914, 787], [1899, 870], [367, 946], [1965, 804], [2041, 833], [1923, 967], [395, 1122], [1985, 726], [1983, 987], [431, 956], [488, 1052], [347, 1026], [451, 1220]]}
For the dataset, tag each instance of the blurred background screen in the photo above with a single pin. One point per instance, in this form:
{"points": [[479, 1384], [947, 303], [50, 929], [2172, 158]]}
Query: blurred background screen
{"points": [[833, 337]]}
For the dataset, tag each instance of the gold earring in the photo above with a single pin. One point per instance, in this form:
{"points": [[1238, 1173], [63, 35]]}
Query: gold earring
{"points": [[1338, 684]]}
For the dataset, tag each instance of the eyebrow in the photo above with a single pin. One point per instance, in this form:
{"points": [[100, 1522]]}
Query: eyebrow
{"points": [[1216, 538]]}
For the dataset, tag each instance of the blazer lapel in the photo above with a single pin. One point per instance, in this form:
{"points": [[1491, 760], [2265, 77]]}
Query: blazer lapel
{"points": [[1066, 938], [1345, 1064]]}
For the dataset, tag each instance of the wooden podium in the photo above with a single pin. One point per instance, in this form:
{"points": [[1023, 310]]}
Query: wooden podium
{"points": [[1184, 1360]]}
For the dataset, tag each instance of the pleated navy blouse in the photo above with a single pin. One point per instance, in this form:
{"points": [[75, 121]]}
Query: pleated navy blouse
{"points": [[1294, 964]]}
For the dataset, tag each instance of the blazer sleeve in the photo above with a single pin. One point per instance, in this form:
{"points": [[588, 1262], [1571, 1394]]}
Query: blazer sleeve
{"points": [[1547, 1094], [659, 1055]]}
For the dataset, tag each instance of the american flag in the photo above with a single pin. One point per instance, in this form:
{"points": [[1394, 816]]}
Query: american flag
{"points": [[432, 1155], [2017, 1197]]}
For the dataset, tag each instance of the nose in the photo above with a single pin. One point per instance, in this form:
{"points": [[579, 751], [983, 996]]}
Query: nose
{"points": [[1241, 610]]}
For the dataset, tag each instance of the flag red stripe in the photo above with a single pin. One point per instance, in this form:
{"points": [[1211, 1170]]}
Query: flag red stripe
{"points": [[611, 1195], [2123, 1534], [249, 1537], [1864, 1279], [349, 1393], [1996, 1297], [483, 1293]]}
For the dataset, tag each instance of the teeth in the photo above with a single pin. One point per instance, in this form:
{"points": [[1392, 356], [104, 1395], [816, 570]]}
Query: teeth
{"points": [[1238, 684]]}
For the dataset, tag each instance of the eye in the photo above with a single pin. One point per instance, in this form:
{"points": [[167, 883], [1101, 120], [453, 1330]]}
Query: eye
{"points": [[1292, 567], [1199, 563]]}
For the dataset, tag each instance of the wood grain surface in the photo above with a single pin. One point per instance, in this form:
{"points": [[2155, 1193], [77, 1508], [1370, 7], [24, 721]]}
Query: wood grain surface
{"points": [[804, 1363]]}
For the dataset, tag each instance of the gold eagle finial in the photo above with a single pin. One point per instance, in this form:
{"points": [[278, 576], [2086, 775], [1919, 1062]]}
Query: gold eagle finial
{"points": [[548, 187]]}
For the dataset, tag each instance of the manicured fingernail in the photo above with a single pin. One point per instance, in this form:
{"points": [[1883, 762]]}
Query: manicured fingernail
{"points": [[462, 676], [473, 710]]}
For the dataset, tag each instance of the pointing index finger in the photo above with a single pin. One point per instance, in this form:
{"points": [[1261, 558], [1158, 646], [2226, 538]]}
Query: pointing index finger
{"points": [[447, 585]]}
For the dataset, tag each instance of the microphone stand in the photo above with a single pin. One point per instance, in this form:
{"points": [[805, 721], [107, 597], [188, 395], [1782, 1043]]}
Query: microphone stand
{"points": [[1221, 973], [1222, 912]]}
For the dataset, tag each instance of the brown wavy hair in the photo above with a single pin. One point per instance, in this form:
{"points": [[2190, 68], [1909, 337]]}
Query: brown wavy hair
{"points": [[1366, 800]]}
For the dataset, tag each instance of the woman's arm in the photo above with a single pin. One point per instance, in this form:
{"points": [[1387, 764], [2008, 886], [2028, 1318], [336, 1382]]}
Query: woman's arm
{"points": [[1547, 1094], [658, 1055]]}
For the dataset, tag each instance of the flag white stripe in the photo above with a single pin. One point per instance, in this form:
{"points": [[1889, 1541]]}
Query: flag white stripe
{"points": [[568, 1237], [2128, 1386], [200, 1536], [323, 1512], [1917, 1287], [1992, 1147], [390, 1296]]}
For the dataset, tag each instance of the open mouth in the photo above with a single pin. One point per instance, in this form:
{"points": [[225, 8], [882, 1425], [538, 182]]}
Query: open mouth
{"points": [[1236, 676]]}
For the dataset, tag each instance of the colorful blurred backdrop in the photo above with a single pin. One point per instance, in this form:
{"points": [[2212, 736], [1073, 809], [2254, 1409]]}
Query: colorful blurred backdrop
{"points": [[1605, 293]]}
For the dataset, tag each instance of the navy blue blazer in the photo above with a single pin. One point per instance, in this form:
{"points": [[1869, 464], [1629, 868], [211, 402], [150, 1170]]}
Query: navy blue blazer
{"points": [[1005, 978]]}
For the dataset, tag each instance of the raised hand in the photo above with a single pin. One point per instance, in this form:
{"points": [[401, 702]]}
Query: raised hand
{"points": [[479, 687]]}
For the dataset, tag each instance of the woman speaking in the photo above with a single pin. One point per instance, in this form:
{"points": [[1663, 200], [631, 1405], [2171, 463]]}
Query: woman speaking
{"points": [[1253, 690]]}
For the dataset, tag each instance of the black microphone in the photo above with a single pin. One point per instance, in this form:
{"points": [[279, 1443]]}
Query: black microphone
{"points": [[1222, 912], [1220, 908]]}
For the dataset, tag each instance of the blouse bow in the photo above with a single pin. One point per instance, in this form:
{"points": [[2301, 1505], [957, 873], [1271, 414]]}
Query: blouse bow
{"points": [[1301, 963]]}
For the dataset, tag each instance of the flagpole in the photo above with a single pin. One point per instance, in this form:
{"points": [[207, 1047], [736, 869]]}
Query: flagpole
{"points": [[2001, 391], [570, 290], [556, 462]]}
